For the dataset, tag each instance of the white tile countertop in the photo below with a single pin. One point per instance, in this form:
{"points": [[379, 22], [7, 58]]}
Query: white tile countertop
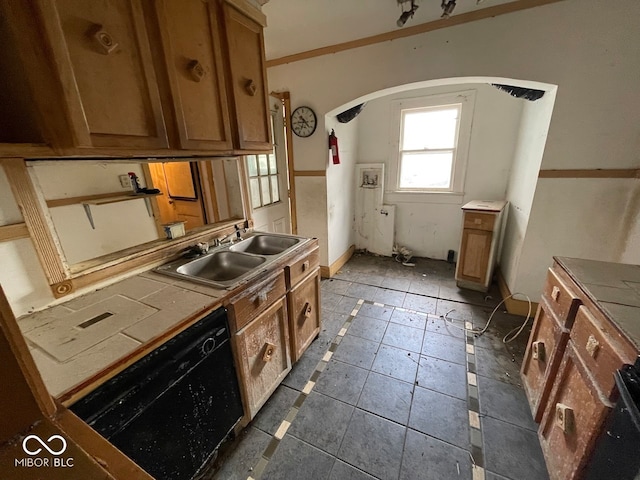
{"points": [[75, 340]]}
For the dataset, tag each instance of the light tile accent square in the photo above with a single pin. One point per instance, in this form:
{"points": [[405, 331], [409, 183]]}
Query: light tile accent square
{"points": [[63, 339], [59, 377]]}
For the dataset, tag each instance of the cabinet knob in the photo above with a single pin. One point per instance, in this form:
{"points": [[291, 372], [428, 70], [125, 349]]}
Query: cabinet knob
{"points": [[555, 293], [251, 87], [196, 70], [269, 351], [307, 310], [565, 418], [261, 298], [538, 351], [103, 39], [592, 346], [305, 266]]}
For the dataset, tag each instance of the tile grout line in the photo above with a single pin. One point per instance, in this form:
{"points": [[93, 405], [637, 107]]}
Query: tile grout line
{"points": [[473, 406], [274, 443]]}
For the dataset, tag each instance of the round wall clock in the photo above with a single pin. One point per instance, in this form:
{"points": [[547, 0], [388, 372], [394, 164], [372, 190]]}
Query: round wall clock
{"points": [[303, 121]]}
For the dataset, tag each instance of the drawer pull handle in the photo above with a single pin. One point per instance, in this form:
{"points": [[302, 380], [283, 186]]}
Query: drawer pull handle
{"points": [[261, 298], [196, 70], [269, 351], [305, 266], [565, 418], [593, 346], [555, 293], [307, 310], [539, 352]]}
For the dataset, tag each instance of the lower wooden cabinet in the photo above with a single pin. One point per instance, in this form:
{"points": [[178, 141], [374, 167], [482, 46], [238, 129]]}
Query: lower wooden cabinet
{"points": [[262, 356], [574, 349], [304, 314], [572, 420]]}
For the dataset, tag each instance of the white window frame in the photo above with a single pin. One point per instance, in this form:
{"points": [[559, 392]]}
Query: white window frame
{"points": [[466, 100]]}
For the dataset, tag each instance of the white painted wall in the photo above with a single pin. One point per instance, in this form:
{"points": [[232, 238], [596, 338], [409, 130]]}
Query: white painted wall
{"points": [[341, 188], [430, 225], [9, 211], [117, 225], [594, 228], [21, 276], [631, 244], [586, 47], [532, 137]]}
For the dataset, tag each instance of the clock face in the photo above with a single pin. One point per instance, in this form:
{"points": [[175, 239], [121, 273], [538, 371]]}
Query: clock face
{"points": [[303, 121]]}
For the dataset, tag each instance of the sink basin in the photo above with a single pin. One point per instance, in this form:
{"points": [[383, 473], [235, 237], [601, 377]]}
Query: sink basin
{"points": [[221, 267], [265, 244], [228, 266]]}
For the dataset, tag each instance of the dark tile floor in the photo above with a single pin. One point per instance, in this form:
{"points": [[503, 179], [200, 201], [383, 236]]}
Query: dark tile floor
{"points": [[393, 401]]}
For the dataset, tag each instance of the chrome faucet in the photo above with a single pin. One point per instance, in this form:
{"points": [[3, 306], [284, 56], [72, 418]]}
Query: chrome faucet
{"points": [[230, 237]]}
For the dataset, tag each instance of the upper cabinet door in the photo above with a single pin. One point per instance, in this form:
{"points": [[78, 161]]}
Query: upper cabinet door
{"points": [[104, 60], [248, 80], [193, 57]]}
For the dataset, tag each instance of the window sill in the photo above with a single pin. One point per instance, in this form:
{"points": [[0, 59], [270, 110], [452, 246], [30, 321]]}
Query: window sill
{"points": [[396, 196]]}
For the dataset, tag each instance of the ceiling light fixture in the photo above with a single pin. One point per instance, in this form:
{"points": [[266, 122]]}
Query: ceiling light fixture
{"points": [[447, 8], [408, 14]]}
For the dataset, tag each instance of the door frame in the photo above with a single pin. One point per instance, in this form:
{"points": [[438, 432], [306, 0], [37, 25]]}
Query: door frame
{"points": [[285, 98]]}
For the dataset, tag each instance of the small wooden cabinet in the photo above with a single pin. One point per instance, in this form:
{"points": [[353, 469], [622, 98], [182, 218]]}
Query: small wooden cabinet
{"points": [[303, 285], [482, 222], [574, 349]]}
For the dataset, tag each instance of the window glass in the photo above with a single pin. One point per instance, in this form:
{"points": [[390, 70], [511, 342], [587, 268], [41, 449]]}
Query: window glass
{"points": [[430, 129], [275, 189], [265, 190], [252, 166], [426, 170], [254, 186], [263, 167], [273, 165]]}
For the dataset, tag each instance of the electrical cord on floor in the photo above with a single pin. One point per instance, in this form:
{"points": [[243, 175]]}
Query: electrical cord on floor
{"points": [[506, 338]]}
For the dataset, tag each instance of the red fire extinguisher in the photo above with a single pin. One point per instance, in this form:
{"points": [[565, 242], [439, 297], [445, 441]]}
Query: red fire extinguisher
{"points": [[333, 146]]}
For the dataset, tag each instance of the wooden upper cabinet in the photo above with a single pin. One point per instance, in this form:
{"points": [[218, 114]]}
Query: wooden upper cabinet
{"points": [[132, 77], [248, 80], [189, 31], [104, 60]]}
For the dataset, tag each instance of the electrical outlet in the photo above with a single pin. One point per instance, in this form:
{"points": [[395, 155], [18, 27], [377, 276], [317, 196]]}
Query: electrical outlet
{"points": [[125, 181]]}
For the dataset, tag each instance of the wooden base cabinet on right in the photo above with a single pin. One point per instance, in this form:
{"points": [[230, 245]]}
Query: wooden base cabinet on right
{"points": [[573, 419], [575, 348]]}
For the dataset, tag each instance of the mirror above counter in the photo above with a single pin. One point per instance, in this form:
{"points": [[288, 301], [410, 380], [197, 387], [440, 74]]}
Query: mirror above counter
{"points": [[88, 225]]}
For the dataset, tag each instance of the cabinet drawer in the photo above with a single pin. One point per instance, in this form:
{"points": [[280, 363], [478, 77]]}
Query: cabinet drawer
{"points": [[572, 420], [479, 221], [598, 350], [542, 358], [247, 304], [561, 298], [302, 266]]}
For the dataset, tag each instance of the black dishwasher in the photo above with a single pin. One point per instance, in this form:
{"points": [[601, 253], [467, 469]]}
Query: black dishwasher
{"points": [[171, 409]]}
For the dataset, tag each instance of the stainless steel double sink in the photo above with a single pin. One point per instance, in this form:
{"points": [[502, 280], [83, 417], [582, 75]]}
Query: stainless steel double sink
{"points": [[228, 266]]}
